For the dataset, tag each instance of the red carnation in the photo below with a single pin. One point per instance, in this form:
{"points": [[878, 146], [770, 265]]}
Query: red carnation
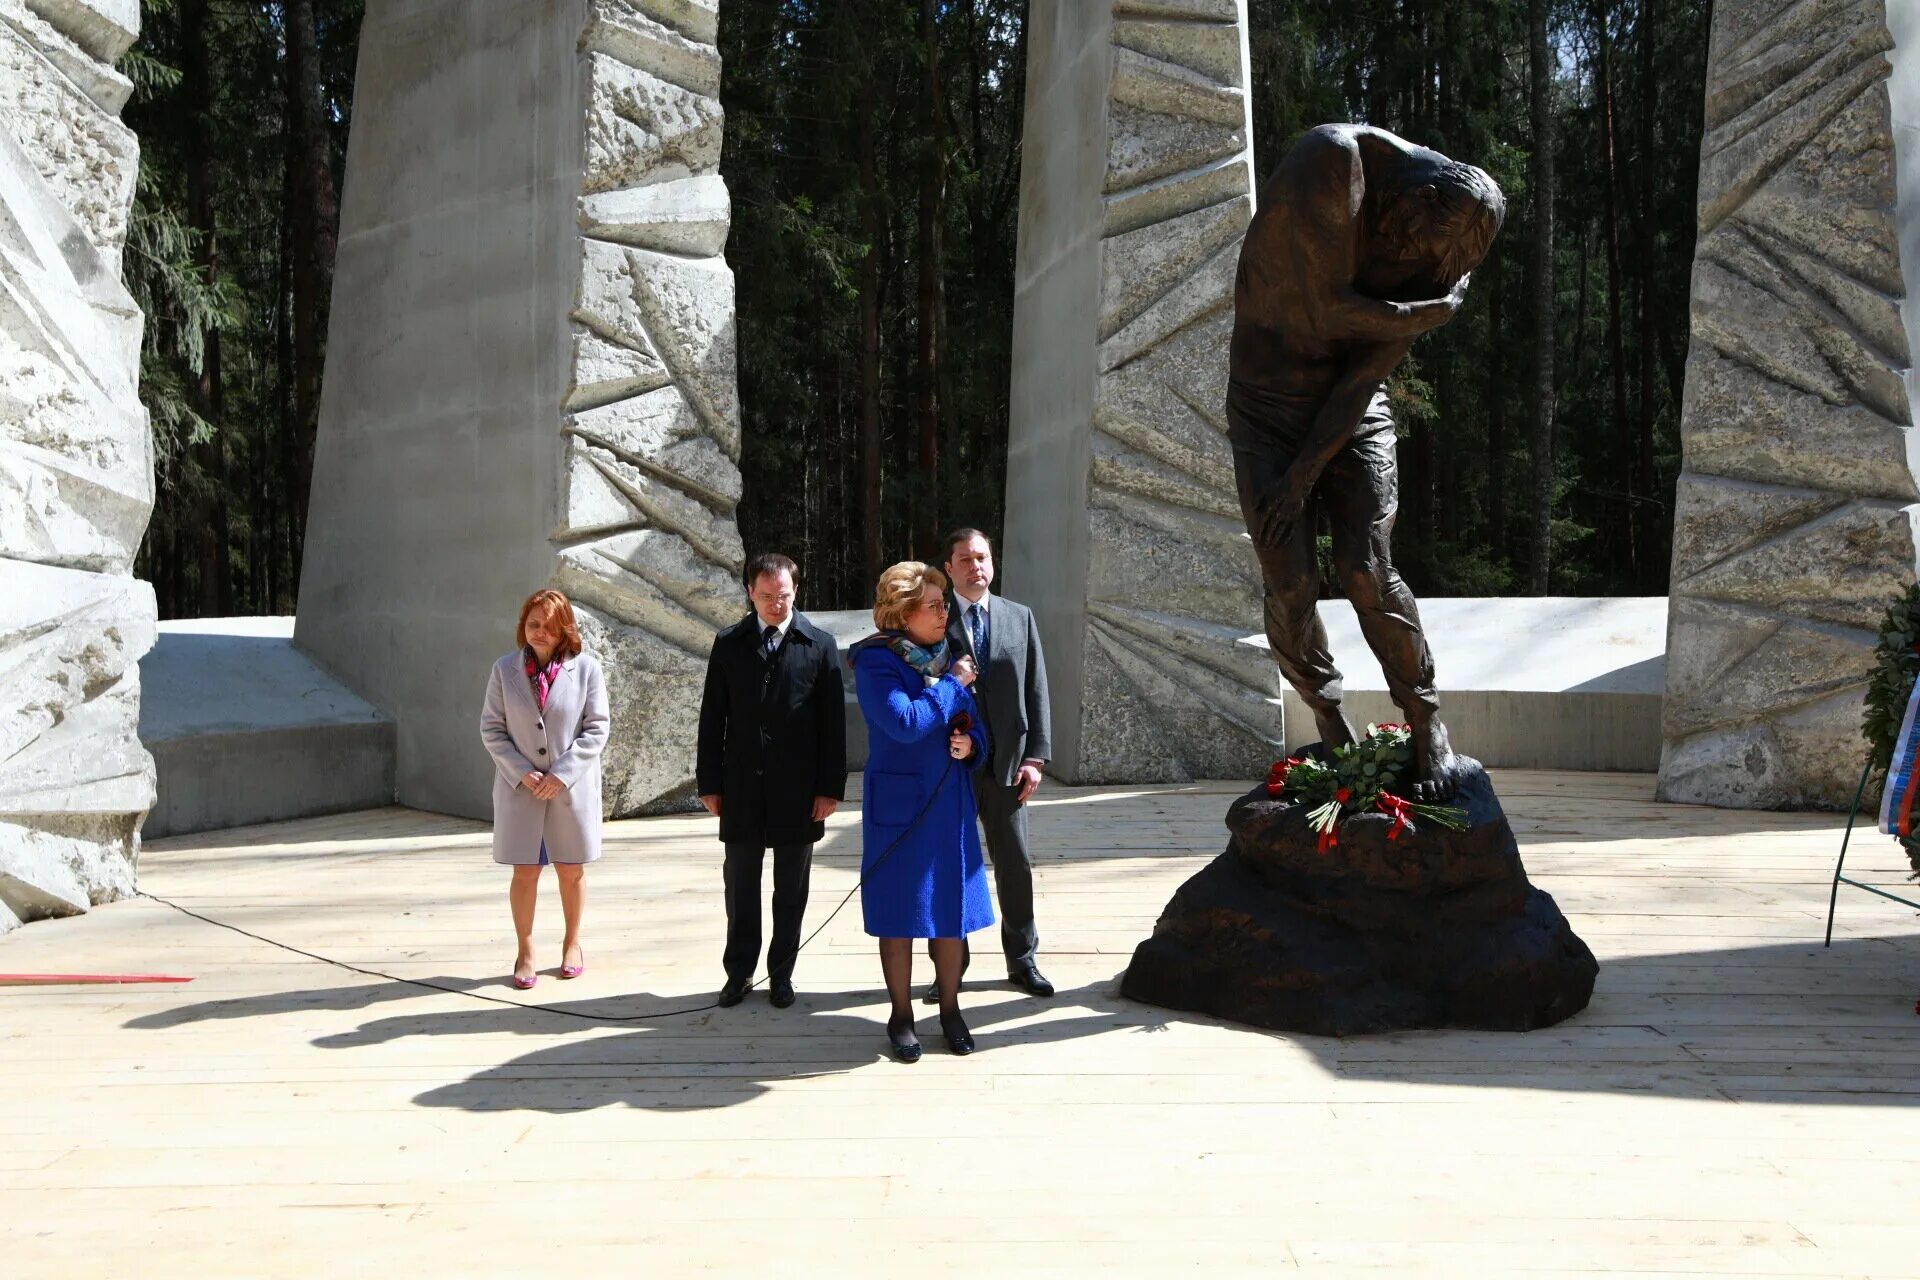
{"points": [[1277, 775]]}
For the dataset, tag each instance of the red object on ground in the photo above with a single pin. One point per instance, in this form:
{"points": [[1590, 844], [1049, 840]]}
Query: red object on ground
{"points": [[80, 979]]}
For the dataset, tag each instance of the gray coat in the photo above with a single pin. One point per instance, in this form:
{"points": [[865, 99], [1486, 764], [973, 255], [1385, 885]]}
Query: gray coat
{"points": [[564, 740], [1012, 688]]}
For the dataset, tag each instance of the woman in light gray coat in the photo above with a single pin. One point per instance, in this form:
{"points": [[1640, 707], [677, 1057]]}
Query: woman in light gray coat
{"points": [[545, 723]]}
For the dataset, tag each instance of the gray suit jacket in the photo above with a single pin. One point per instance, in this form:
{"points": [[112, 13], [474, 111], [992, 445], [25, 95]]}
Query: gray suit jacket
{"points": [[1012, 687]]}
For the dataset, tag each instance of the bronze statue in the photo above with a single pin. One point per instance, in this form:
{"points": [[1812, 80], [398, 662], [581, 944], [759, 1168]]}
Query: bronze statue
{"points": [[1363, 242]]}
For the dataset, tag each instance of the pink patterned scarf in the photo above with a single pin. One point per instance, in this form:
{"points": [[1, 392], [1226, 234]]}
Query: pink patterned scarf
{"points": [[542, 679]]}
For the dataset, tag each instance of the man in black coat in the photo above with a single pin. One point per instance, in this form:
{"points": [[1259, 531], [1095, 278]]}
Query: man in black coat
{"points": [[1004, 642], [771, 765]]}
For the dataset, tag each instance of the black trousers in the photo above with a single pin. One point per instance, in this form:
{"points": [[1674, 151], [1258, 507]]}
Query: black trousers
{"points": [[792, 866], [1003, 819]]}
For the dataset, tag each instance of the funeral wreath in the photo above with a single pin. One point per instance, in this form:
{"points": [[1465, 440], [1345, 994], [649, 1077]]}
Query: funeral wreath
{"points": [[1890, 688]]}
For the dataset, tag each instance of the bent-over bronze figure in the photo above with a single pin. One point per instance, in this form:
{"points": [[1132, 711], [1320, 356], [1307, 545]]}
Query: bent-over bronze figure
{"points": [[1362, 242]]}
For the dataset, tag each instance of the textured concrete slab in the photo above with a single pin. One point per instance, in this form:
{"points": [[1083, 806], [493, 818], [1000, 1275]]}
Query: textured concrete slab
{"points": [[76, 466], [1797, 513], [1122, 531], [105, 28]]}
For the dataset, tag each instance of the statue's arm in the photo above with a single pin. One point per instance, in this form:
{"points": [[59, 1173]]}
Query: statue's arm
{"points": [[1351, 316], [1340, 414]]}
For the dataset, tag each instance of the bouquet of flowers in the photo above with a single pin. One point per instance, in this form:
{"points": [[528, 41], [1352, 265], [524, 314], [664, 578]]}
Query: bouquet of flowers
{"points": [[1358, 779]]}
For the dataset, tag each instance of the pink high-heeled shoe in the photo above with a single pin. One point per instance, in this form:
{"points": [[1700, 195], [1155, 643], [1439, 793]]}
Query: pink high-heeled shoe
{"points": [[575, 970], [526, 983]]}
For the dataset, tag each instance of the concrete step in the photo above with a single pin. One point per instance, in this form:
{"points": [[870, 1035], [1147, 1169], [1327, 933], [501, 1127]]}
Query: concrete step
{"points": [[1545, 682], [1556, 682], [244, 728]]}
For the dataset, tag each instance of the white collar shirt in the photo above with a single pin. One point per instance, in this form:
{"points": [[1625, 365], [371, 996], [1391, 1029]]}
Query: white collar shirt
{"points": [[782, 627]]}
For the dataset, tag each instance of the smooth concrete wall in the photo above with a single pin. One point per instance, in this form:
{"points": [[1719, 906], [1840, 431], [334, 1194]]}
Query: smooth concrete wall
{"points": [[212, 782], [1055, 327], [435, 484], [1524, 729], [1555, 682]]}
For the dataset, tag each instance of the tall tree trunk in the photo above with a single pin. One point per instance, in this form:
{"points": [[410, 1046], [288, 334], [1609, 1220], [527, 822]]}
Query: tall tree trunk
{"points": [[1616, 342], [933, 182], [871, 219], [208, 471], [316, 224], [1540, 388], [284, 567], [1446, 451], [1653, 576], [831, 575], [1497, 415]]}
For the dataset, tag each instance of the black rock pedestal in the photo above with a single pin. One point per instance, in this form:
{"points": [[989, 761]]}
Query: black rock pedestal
{"points": [[1436, 929]]}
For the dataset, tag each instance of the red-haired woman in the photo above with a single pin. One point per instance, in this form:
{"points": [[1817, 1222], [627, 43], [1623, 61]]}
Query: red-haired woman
{"points": [[545, 723]]}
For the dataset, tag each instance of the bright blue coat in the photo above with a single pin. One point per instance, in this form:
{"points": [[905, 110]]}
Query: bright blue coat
{"points": [[924, 878]]}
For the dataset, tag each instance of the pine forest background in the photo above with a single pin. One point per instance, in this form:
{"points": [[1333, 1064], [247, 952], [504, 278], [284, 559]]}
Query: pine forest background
{"points": [[873, 152]]}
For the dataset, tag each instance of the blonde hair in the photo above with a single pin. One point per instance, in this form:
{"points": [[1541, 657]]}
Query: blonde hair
{"points": [[899, 591]]}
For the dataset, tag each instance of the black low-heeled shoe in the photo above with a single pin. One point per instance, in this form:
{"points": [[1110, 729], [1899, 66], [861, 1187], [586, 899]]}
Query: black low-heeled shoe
{"points": [[954, 1028], [906, 1045]]}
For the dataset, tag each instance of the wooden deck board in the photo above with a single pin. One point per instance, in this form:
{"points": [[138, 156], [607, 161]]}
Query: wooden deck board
{"points": [[1737, 1099]]}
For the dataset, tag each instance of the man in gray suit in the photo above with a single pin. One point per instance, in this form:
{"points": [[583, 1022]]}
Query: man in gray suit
{"points": [[1011, 690]]}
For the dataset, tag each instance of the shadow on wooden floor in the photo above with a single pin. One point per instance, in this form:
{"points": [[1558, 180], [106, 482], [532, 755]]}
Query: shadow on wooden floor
{"points": [[1788, 1022]]}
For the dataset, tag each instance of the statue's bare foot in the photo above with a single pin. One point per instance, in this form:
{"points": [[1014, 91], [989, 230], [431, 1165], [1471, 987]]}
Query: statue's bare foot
{"points": [[1334, 729], [1433, 763]]}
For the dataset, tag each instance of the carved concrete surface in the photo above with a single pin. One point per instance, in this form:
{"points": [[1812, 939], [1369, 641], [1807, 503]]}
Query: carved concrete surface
{"points": [[1123, 531], [76, 466], [1795, 519], [610, 457], [648, 544]]}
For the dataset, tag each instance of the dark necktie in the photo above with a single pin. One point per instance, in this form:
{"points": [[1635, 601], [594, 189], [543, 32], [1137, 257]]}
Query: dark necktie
{"points": [[769, 643], [977, 632]]}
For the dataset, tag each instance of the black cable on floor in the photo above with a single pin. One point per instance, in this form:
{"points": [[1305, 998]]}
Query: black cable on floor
{"points": [[547, 1008]]}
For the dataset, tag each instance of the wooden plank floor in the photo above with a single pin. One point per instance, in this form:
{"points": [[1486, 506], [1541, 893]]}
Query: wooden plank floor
{"points": [[1735, 1101]]}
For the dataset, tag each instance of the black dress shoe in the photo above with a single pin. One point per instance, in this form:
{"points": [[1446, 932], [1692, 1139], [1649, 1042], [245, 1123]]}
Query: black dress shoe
{"points": [[1029, 979], [954, 1028], [903, 1041], [933, 994], [781, 993], [732, 994]]}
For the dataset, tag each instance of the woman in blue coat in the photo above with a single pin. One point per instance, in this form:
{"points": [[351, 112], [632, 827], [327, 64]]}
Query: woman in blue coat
{"points": [[922, 874]]}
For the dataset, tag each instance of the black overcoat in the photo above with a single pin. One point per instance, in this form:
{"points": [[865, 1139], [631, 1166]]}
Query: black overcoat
{"points": [[771, 739]]}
